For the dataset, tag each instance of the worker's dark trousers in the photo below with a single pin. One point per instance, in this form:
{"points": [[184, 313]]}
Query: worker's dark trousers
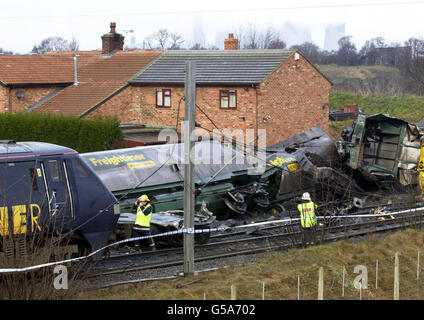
{"points": [[142, 232], [308, 235]]}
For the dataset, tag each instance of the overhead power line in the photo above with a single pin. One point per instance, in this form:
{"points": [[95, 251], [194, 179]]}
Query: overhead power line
{"points": [[238, 10]]}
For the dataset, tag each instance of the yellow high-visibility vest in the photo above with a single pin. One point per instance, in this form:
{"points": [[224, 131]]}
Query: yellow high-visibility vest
{"points": [[142, 219], [307, 214]]}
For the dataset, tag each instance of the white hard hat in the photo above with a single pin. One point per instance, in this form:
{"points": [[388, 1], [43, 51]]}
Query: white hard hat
{"points": [[306, 196]]}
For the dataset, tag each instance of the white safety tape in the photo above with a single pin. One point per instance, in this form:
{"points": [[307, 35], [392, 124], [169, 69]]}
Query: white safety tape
{"points": [[192, 230], [180, 231]]}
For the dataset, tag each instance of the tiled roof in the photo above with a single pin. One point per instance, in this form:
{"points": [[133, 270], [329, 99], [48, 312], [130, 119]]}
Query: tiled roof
{"points": [[98, 79], [36, 69], [214, 66], [84, 57]]}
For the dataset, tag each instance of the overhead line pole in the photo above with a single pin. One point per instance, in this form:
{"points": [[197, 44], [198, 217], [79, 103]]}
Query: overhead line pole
{"points": [[189, 122]]}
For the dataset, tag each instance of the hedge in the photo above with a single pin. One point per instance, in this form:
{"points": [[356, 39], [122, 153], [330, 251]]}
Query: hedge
{"points": [[83, 135]]}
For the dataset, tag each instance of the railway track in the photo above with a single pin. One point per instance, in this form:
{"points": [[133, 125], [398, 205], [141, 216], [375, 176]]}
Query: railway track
{"points": [[260, 240]]}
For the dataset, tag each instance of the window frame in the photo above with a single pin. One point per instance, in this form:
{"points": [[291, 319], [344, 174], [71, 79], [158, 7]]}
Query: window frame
{"points": [[163, 98], [54, 170], [228, 96]]}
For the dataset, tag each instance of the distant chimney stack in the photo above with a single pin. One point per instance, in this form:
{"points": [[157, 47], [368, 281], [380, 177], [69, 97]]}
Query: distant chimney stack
{"points": [[112, 41], [231, 43]]}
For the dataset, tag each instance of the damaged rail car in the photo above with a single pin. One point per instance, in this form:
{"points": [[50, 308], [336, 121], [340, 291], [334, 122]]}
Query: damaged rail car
{"points": [[382, 150], [159, 172], [319, 172], [228, 185], [223, 174]]}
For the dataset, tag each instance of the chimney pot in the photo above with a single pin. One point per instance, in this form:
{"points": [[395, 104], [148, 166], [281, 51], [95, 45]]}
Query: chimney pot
{"points": [[112, 27], [231, 43]]}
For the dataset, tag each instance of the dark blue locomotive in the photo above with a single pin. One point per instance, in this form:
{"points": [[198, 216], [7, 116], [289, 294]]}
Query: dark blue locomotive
{"points": [[48, 189]]}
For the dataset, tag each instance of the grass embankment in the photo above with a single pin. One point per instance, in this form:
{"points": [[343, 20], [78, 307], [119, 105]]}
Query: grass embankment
{"points": [[406, 107], [279, 271]]}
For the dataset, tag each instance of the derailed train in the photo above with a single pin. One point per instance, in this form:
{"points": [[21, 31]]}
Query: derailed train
{"points": [[49, 189], [159, 172], [53, 190]]}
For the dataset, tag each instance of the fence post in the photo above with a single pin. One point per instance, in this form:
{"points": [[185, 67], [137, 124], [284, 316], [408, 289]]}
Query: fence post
{"points": [[298, 287], [233, 292], [343, 281], [263, 290], [321, 284], [418, 265], [376, 274], [204, 295], [396, 281]]}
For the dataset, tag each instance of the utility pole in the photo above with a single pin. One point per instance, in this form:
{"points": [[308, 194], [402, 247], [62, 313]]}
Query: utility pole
{"points": [[189, 118]]}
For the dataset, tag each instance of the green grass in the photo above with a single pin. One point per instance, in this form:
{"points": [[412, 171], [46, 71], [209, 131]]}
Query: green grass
{"points": [[406, 107], [334, 71], [279, 272]]}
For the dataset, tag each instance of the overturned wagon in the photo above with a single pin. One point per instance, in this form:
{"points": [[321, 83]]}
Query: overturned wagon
{"points": [[220, 172], [382, 149]]}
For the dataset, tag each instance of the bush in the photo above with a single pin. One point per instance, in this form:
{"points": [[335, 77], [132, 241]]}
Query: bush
{"points": [[83, 135]]}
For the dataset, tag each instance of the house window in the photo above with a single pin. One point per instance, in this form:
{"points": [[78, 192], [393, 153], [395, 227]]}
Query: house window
{"points": [[228, 99], [163, 98]]}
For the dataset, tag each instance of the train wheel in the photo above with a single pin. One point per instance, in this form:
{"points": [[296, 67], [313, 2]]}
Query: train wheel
{"points": [[83, 249]]}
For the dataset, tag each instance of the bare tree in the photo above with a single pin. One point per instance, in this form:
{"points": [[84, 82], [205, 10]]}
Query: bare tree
{"points": [[55, 44], [240, 35], [176, 41], [413, 61], [163, 39], [347, 55], [5, 51], [252, 36], [276, 43], [73, 44], [197, 46], [268, 37]]}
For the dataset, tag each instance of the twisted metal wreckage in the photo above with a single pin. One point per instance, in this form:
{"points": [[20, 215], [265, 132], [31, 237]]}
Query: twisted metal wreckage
{"points": [[376, 152]]}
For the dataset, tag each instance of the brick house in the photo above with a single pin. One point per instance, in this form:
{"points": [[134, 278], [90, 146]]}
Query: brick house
{"points": [[69, 82], [26, 80], [276, 90]]}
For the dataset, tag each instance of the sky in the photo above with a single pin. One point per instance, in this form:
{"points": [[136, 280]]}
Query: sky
{"points": [[25, 23]]}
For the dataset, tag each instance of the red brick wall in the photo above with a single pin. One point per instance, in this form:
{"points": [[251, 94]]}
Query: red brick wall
{"points": [[4, 99], [292, 99], [10, 102], [140, 107]]}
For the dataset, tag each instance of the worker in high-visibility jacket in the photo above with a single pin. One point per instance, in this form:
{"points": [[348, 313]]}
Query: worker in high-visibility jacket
{"points": [[142, 222], [308, 220]]}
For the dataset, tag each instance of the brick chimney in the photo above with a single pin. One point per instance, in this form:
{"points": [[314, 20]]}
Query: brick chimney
{"points": [[112, 41], [231, 43]]}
